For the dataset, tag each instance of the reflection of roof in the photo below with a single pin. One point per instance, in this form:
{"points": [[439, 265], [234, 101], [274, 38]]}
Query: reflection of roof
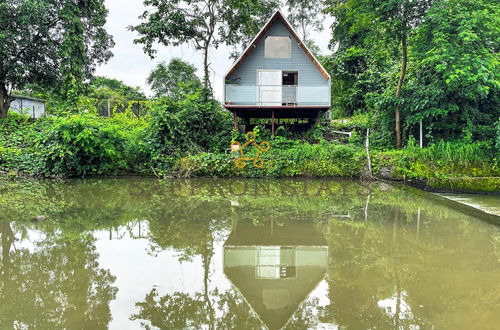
{"points": [[300, 266], [290, 234], [275, 300]]}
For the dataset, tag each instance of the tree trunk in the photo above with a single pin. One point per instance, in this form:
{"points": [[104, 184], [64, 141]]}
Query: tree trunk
{"points": [[206, 74], [5, 101], [206, 258], [397, 111], [7, 241]]}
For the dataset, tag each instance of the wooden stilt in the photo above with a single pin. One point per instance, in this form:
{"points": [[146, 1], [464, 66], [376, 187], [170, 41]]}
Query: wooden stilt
{"points": [[272, 123]]}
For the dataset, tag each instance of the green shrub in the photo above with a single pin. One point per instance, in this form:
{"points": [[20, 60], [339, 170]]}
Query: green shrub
{"points": [[285, 158], [439, 161], [17, 145], [177, 127], [82, 145]]}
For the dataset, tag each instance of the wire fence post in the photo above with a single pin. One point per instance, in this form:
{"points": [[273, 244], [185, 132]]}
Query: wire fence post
{"points": [[421, 136]]}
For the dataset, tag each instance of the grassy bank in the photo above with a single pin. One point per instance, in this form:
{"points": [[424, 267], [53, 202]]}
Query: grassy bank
{"points": [[428, 167], [443, 166], [85, 145]]}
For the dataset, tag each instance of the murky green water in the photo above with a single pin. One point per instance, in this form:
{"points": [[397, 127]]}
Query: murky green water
{"points": [[231, 254]]}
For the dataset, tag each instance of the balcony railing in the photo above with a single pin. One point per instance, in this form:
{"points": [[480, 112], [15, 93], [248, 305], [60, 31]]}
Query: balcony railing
{"points": [[277, 95]]}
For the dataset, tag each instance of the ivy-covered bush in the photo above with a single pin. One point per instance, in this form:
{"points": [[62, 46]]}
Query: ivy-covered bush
{"points": [[18, 151], [82, 145], [178, 127]]}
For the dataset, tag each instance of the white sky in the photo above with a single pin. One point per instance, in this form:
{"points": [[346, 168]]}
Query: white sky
{"points": [[132, 66]]}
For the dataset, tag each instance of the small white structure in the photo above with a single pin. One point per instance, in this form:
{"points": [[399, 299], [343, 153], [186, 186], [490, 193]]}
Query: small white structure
{"points": [[27, 105]]}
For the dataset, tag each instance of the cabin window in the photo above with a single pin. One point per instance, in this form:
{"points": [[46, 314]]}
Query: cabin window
{"points": [[278, 47]]}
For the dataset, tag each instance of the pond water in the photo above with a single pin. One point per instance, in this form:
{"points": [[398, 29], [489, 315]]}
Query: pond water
{"points": [[242, 254]]}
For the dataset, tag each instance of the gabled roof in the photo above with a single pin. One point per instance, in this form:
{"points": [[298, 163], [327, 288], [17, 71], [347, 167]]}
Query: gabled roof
{"points": [[293, 233], [25, 97], [277, 16], [275, 300]]}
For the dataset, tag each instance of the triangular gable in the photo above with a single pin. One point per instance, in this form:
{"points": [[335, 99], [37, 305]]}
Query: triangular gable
{"points": [[252, 291], [278, 16]]}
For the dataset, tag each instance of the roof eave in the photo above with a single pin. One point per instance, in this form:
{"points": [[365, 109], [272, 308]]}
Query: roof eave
{"points": [[258, 36]]}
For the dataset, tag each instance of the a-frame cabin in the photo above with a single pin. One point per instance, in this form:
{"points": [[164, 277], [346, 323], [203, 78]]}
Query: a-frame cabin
{"points": [[275, 267], [277, 76]]}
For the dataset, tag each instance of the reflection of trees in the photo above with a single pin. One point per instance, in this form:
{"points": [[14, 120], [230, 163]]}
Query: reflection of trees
{"points": [[171, 311], [57, 285], [181, 310], [305, 317], [445, 267], [428, 266], [189, 225]]}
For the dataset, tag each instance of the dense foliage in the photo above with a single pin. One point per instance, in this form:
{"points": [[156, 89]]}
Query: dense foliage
{"points": [[52, 43], [177, 139], [173, 79], [108, 88], [189, 125], [452, 78], [425, 61]]}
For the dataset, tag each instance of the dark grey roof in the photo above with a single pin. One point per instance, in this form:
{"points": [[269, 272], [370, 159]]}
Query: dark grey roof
{"points": [[24, 97], [289, 233]]}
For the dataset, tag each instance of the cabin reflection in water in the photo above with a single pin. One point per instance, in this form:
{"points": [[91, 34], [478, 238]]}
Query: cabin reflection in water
{"points": [[275, 266]]}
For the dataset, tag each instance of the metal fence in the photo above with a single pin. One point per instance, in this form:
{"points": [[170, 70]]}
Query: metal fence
{"points": [[277, 95]]}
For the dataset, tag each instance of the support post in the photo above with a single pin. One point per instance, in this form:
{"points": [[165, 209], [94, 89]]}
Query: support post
{"points": [[272, 122], [421, 136], [235, 121]]}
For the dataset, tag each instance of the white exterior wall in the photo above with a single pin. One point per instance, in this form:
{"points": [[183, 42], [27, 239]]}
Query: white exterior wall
{"points": [[28, 107]]}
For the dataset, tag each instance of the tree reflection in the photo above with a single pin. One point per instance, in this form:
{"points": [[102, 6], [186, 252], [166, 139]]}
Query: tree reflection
{"points": [[411, 269], [55, 285], [214, 309], [396, 258], [191, 231], [180, 311], [172, 311]]}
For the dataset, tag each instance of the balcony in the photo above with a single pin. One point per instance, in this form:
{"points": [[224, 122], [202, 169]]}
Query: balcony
{"points": [[263, 96]]}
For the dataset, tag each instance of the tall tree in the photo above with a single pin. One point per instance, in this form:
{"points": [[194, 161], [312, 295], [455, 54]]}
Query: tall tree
{"points": [[104, 88], [203, 23], [167, 79], [399, 18], [51, 43], [377, 28], [306, 16], [454, 82]]}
